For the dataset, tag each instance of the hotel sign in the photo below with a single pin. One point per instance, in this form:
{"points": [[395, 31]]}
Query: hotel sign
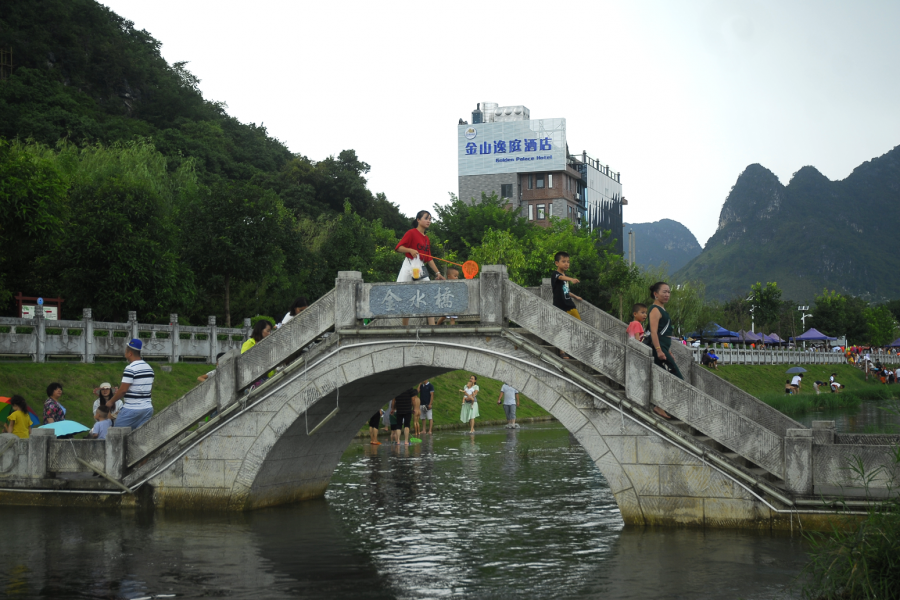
{"points": [[512, 147]]}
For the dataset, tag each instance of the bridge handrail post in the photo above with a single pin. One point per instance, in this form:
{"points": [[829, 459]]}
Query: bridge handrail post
{"points": [[798, 461], [346, 289], [823, 432], [546, 290], [638, 365], [115, 451], [493, 285], [226, 379], [38, 447]]}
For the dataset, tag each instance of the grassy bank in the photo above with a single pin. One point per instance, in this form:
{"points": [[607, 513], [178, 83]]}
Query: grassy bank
{"points": [[766, 382], [78, 380], [30, 380]]}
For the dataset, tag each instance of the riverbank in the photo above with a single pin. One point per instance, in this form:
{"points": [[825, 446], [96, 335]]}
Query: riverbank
{"points": [[766, 382], [30, 380], [78, 380]]}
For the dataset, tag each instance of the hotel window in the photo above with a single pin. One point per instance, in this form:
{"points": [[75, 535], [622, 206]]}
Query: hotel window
{"points": [[531, 212], [550, 180], [531, 182], [540, 213], [540, 181], [506, 190]]}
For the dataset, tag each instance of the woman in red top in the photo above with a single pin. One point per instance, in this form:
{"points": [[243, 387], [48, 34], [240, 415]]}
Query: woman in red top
{"points": [[415, 244]]}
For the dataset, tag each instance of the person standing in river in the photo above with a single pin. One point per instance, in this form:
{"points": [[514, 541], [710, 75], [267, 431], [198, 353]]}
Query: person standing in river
{"points": [[660, 332], [469, 410]]}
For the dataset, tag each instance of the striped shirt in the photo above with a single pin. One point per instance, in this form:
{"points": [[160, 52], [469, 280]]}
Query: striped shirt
{"points": [[140, 376]]}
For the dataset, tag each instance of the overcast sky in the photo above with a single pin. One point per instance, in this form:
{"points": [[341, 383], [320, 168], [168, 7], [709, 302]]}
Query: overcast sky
{"points": [[678, 96]]}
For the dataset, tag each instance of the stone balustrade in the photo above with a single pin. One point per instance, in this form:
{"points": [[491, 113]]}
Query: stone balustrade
{"points": [[84, 340]]}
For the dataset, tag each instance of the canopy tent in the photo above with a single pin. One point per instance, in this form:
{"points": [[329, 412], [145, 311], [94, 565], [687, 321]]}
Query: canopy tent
{"points": [[895, 344], [773, 338], [714, 330], [813, 335], [749, 336]]}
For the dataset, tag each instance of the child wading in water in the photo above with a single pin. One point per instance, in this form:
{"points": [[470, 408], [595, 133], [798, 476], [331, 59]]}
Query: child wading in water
{"points": [[559, 282], [416, 246]]}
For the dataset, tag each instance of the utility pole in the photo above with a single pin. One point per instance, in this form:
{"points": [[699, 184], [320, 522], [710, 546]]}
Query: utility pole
{"points": [[803, 316]]}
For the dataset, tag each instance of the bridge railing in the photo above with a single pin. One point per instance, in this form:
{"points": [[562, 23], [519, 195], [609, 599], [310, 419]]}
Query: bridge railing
{"points": [[39, 338], [750, 356]]}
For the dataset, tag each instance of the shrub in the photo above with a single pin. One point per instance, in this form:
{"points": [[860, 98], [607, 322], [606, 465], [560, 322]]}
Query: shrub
{"points": [[257, 318], [864, 562]]}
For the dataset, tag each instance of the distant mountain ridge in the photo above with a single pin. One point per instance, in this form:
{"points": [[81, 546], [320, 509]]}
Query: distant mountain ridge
{"points": [[664, 241], [809, 235]]}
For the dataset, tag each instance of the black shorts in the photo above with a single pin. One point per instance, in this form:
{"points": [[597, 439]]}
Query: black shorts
{"points": [[404, 420], [395, 427], [375, 421]]}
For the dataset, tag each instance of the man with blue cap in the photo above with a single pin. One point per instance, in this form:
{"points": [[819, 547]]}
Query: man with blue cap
{"points": [[137, 383]]}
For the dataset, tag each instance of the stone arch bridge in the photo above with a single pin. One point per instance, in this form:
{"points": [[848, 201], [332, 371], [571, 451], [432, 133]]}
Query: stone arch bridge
{"points": [[727, 460]]}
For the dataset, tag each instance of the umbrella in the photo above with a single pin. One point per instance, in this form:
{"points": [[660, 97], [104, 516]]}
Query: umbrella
{"points": [[65, 427], [796, 370], [6, 409]]}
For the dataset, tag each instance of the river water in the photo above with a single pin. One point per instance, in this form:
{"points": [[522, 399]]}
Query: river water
{"points": [[504, 513]]}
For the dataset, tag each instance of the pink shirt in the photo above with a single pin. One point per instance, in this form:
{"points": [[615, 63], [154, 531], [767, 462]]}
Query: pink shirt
{"points": [[635, 330]]}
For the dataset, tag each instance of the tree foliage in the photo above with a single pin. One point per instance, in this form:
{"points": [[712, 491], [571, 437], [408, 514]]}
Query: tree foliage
{"points": [[836, 315]]}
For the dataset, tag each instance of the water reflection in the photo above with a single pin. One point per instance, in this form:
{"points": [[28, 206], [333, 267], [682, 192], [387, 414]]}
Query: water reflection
{"points": [[509, 513], [869, 417]]}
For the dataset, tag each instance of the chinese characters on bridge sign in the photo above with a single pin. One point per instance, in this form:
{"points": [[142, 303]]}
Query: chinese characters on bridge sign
{"points": [[419, 299]]}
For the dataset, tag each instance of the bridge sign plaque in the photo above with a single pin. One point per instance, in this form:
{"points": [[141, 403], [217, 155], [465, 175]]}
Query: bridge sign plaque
{"points": [[419, 299]]}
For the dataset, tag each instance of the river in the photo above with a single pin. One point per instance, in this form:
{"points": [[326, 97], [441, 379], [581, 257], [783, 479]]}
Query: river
{"points": [[504, 513]]}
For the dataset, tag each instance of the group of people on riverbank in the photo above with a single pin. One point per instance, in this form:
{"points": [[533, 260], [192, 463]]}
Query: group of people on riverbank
{"points": [[128, 405]]}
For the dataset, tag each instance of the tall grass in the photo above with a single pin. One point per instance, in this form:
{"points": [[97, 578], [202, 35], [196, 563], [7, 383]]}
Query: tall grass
{"points": [[862, 563], [798, 404]]}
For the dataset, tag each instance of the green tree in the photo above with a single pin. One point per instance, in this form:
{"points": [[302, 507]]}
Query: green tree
{"points": [[120, 253], [765, 303], [32, 204], [462, 226], [237, 231], [882, 326], [835, 314]]}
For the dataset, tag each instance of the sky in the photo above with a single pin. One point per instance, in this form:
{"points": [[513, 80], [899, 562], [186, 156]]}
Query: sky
{"points": [[679, 97]]}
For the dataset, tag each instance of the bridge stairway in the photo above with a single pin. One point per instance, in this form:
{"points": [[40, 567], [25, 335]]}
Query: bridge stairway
{"points": [[674, 429]]}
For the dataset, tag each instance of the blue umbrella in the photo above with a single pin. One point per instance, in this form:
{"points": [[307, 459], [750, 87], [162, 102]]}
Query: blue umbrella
{"points": [[796, 370], [65, 427]]}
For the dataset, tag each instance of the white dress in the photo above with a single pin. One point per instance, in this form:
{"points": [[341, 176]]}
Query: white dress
{"points": [[469, 410]]}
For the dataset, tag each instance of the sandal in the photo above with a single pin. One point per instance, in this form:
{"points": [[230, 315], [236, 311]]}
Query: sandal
{"points": [[662, 413]]}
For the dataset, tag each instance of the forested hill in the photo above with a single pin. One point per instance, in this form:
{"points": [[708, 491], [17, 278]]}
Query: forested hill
{"points": [[90, 101], [123, 188], [809, 235], [662, 242]]}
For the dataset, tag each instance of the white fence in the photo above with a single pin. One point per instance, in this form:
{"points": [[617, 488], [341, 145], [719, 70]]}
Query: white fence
{"points": [[86, 339], [741, 356]]}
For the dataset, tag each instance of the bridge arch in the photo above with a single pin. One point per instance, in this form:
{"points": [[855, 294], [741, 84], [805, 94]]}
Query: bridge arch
{"points": [[268, 457]]}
